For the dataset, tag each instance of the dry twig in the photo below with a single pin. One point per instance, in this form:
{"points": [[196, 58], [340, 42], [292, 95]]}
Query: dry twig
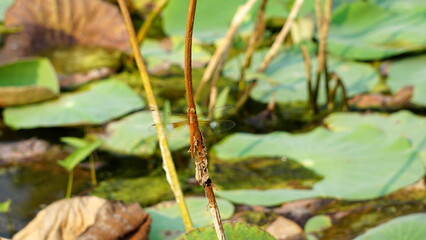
{"points": [[168, 164], [198, 147]]}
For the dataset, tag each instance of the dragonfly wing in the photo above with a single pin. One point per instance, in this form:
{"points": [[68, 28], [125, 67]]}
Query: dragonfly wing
{"points": [[172, 130], [217, 126]]}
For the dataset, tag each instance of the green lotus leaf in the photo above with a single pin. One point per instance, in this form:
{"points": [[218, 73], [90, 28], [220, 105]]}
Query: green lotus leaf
{"points": [[155, 54], [402, 124], [406, 5], [409, 71], [134, 135], [95, 104], [167, 223], [270, 197], [234, 231], [360, 164], [27, 81], [410, 227], [317, 223], [285, 78], [378, 34], [212, 18]]}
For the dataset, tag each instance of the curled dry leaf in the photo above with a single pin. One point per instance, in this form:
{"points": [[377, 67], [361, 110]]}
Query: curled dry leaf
{"points": [[87, 218], [401, 99], [51, 23]]}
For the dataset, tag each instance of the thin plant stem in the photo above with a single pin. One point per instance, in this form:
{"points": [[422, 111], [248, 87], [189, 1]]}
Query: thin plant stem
{"points": [[70, 182], [323, 24], [281, 36], [198, 147], [168, 164], [92, 169], [272, 51], [254, 40], [222, 50], [308, 68], [150, 19]]}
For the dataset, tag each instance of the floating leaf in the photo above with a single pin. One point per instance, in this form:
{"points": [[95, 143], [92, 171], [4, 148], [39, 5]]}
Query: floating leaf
{"points": [[402, 124], [52, 23], [285, 78], [410, 227], [131, 135], [378, 34], [27, 81], [167, 223], [409, 71], [212, 18], [79, 155], [5, 206], [234, 231], [95, 104], [271, 197], [317, 223], [156, 53], [359, 164]]}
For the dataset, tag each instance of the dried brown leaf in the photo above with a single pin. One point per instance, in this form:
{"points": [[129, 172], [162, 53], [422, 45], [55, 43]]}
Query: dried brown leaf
{"points": [[52, 23]]}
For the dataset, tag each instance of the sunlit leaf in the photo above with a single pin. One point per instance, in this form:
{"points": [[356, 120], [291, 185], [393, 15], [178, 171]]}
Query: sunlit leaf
{"points": [[167, 223], [95, 104], [409, 71], [410, 227], [27, 81], [378, 34], [360, 164], [317, 223], [234, 231], [402, 124]]}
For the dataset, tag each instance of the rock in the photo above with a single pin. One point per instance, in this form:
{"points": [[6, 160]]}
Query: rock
{"points": [[300, 211], [285, 229], [22, 151]]}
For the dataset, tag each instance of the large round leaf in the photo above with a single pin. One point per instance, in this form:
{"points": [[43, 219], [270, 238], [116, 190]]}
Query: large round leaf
{"points": [[378, 34], [410, 71], [167, 223], [95, 104], [212, 18], [156, 53], [409, 227], [134, 135], [27, 81], [234, 231], [359, 164], [285, 78], [401, 124]]}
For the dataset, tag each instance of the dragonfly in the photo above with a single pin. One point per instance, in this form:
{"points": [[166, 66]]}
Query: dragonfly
{"points": [[176, 125]]}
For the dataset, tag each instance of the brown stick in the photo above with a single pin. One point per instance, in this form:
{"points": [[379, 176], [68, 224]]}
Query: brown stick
{"points": [[198, 147], [222, 50], [323, 22], [168, 164], [254, 40], [281, 36]]}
